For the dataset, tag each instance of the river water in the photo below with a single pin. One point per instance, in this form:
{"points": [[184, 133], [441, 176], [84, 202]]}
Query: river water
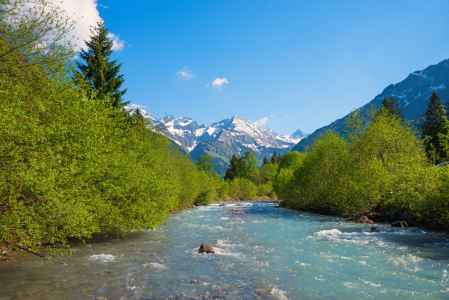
{"points": [[268, 253]]}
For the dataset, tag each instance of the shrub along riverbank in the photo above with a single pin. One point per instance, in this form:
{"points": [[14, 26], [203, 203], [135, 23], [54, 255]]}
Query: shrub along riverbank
{"points": [[380, 166]]}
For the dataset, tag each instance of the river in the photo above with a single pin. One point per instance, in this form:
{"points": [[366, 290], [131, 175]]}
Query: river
{"points": [[267, 253]]}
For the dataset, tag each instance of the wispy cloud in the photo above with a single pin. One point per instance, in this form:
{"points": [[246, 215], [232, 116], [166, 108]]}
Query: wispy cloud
{"points": [[262, 121], [86, 14], [271, 116], [207, 85], [287, 115], [185, 74], [104, 6], [117, 43], [217, 83]]}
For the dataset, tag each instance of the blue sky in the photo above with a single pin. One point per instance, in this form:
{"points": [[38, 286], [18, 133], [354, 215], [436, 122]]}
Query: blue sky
{"points": [[299, 64]]}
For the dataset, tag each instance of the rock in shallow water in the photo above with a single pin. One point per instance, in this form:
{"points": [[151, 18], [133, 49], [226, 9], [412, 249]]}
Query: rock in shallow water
{"points": [[206, 248], [363, 219], [402, 224]]}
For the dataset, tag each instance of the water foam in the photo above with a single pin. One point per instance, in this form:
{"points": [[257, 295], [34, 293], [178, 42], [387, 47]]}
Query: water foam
{"points": [[102, 257], [278, 294]]}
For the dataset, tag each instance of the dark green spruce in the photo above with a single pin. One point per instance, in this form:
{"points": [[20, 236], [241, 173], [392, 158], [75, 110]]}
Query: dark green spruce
{"points": [[96, 72]]}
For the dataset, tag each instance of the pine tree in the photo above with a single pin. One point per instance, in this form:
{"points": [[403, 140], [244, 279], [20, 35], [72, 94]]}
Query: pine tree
{"points": [[274, 157], [98, 74], [435, 130], [391, 106], [233, 171], [265, 161]]}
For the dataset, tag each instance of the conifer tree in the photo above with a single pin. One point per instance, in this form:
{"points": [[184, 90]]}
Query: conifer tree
{"points": [[274, 157], [98, 73], [233, 171], [435, 129], [391, 106], [265, 161]]}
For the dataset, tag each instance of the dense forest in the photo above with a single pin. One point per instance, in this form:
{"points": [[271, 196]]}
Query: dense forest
{"points": [[73, 162]]}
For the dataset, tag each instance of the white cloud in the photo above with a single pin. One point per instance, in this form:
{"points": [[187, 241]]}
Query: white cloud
{"points": [[287, 115], [217, 83], [262, 121], [184, 74], [134, 106], [86, 14], [207, 85], [271, 116]]}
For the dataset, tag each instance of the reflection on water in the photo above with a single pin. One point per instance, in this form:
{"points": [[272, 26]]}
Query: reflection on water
{"points": [[268, 253]]}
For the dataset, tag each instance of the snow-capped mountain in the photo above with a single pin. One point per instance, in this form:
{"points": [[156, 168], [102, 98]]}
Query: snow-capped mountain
{"points": [[224, 138], [412, 93]]}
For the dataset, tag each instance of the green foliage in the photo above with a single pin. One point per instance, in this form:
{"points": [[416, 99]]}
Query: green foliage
{"points": [[275, 158], [206, 164], [98, 74], [290, 159], [268, 172], [435, 130], [381, 165], [243, 189], [391, 106], [73, 167]]}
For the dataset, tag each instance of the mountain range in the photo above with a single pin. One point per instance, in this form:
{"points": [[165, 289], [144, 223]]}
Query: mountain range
{"points": [[412, 93], [224, 138]]}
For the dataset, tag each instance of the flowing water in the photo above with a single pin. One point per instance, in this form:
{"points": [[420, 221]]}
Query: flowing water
{"points": [[268, 253]]}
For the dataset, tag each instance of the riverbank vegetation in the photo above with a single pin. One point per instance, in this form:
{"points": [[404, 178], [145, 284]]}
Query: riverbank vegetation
{"points": [[381, 164], [73, 162]]}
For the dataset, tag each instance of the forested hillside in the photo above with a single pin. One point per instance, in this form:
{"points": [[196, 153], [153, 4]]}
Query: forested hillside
{"points": [[73, 162], [412, 94]]}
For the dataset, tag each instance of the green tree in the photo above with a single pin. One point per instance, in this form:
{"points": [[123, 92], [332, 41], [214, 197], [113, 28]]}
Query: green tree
{"points": [[275, 158], [206, 164], [268, 172], [98, 73], [265, 161], [290, 159], [235, 168], [391, 106], [249, 164], [435, 129]]}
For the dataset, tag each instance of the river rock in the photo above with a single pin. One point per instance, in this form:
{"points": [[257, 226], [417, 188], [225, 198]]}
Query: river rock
{"points": [[402, 224], [222, 204], [238, 212], [376, 217], [206, 248], [374, 229], [363, 219]]}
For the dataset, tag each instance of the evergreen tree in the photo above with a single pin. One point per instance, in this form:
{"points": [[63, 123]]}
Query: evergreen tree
{"points": [[435, 130], [233, 171], [98, 74], [391, 106], [275, 158], [265, 161]]}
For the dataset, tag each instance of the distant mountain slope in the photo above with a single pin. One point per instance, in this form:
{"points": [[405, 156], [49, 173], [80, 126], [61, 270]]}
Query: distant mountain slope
{"points": [[222, 139], [413, 94]]}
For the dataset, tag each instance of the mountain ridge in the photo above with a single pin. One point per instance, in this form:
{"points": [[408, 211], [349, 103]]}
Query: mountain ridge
{"points": [[412, 93]]}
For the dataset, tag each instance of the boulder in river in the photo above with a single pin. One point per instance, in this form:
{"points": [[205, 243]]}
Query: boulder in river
{"points": [[374, 229], [238, 212], [222, 204], [402, 224], [363, 219], [206, 248]]}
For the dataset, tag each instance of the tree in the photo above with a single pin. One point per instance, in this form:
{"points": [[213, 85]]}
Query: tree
{"points": [[275, 158], [249, 163], [265, 161], [206, 164], [98, 73], [435, 129], [234, 170], [33, 34], [391, 106]]}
